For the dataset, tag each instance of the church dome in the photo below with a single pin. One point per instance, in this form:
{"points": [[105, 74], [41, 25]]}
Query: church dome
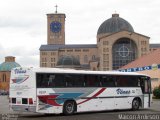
{"points": [[9, 64], [114, 24], [68, 62]]}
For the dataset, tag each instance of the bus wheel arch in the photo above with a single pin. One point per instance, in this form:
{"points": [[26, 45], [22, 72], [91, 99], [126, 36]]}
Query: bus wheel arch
{"points": [[69, 107], [136, 103]]}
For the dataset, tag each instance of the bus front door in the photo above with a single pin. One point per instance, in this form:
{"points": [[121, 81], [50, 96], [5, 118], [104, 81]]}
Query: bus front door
{"points": [[146, 90]]}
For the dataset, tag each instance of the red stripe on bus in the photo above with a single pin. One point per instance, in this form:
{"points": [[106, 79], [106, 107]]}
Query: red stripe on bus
{"points": [[95, 95], [49, 99]]}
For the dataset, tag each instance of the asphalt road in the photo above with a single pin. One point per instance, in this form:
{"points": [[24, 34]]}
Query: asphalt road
{"points": [[142, 114]]}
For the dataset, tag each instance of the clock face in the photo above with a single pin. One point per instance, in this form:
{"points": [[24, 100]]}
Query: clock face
{"points": [[55, 26]]}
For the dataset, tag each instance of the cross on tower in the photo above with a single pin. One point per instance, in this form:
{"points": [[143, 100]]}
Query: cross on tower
{"points": [[56, 9]]}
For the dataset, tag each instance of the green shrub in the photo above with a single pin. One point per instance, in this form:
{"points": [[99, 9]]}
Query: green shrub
{"points": [[156, 92]]}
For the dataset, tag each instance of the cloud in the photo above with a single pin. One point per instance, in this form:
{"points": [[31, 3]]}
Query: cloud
{"points": [[28, 61], [23, 56], [21, 22]]}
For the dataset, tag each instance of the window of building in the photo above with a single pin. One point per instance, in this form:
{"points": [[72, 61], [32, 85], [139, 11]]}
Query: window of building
{"points": [[123, 52], [105, 42], [52, 65], [85, 50], [44, 64], [71, 50], [143, 49], [44, 53], [61, 50], [4, 78], [143, 42], [106, 56], [105, 63], [93, 57], [85, 59], [52, 59], [42, 59], [53, 53], [105, 49], [77, 50]]}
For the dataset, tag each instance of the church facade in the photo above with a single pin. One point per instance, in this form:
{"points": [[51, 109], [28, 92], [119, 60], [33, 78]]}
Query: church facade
{"points": [[117, 44]]}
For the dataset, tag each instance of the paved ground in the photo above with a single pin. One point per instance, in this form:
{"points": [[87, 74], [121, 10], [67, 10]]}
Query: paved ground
{"points": [[143, 114]]}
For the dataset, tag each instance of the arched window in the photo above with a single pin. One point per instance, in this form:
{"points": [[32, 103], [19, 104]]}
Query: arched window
{"points": [[124, 51], [4, 78], [85, 59], [93, 57]]}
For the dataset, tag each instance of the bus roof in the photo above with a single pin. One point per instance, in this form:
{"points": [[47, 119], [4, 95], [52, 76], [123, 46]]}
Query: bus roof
{"points": [[62, 70]]}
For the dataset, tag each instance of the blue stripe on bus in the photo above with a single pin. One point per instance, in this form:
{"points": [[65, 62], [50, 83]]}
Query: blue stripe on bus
{"points": [[67, 96]]}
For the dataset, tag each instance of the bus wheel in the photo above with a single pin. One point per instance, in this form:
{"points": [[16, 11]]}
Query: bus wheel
{"points": [[135, 104], [69, 107]]}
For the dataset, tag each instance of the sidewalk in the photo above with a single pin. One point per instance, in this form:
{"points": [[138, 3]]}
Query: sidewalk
{"points": [[155, 105]]}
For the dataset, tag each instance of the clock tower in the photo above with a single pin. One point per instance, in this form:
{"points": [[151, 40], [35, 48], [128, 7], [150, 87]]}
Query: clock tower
{"points": [[56, 28]]}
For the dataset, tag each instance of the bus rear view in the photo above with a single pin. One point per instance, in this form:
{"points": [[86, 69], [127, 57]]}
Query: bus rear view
{"points": [[22, 90]]}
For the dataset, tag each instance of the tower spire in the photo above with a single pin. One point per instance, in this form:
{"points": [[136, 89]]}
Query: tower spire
{"points": [[56, 8]]}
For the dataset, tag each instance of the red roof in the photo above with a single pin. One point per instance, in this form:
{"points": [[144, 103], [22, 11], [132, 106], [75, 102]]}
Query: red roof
{"points": [[146, 60]]}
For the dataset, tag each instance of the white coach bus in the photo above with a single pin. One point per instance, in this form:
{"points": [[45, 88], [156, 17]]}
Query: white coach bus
{"points": [[55, 90]]}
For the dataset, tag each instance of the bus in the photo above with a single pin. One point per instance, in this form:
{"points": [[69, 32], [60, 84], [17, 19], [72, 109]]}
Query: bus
{"points": [[67, 91]]}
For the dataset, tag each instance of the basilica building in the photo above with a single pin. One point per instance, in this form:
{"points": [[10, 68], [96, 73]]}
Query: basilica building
{"points": [[117, 45]]}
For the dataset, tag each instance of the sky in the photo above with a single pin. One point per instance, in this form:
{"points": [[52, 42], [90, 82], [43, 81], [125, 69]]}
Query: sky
{"points": [[23, 23]]}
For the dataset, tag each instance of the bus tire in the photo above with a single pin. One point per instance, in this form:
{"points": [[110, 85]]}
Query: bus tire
{"points": [[135, 104], [69, 107]]}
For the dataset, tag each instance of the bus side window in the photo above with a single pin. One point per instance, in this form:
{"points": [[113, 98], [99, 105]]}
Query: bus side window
{"points": [[91, 81], [121, 81], [78, 80], [69, 80], [42, 80], [39, 80], [51, 80], [107, 81], [86, 81], [59, 80]]}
